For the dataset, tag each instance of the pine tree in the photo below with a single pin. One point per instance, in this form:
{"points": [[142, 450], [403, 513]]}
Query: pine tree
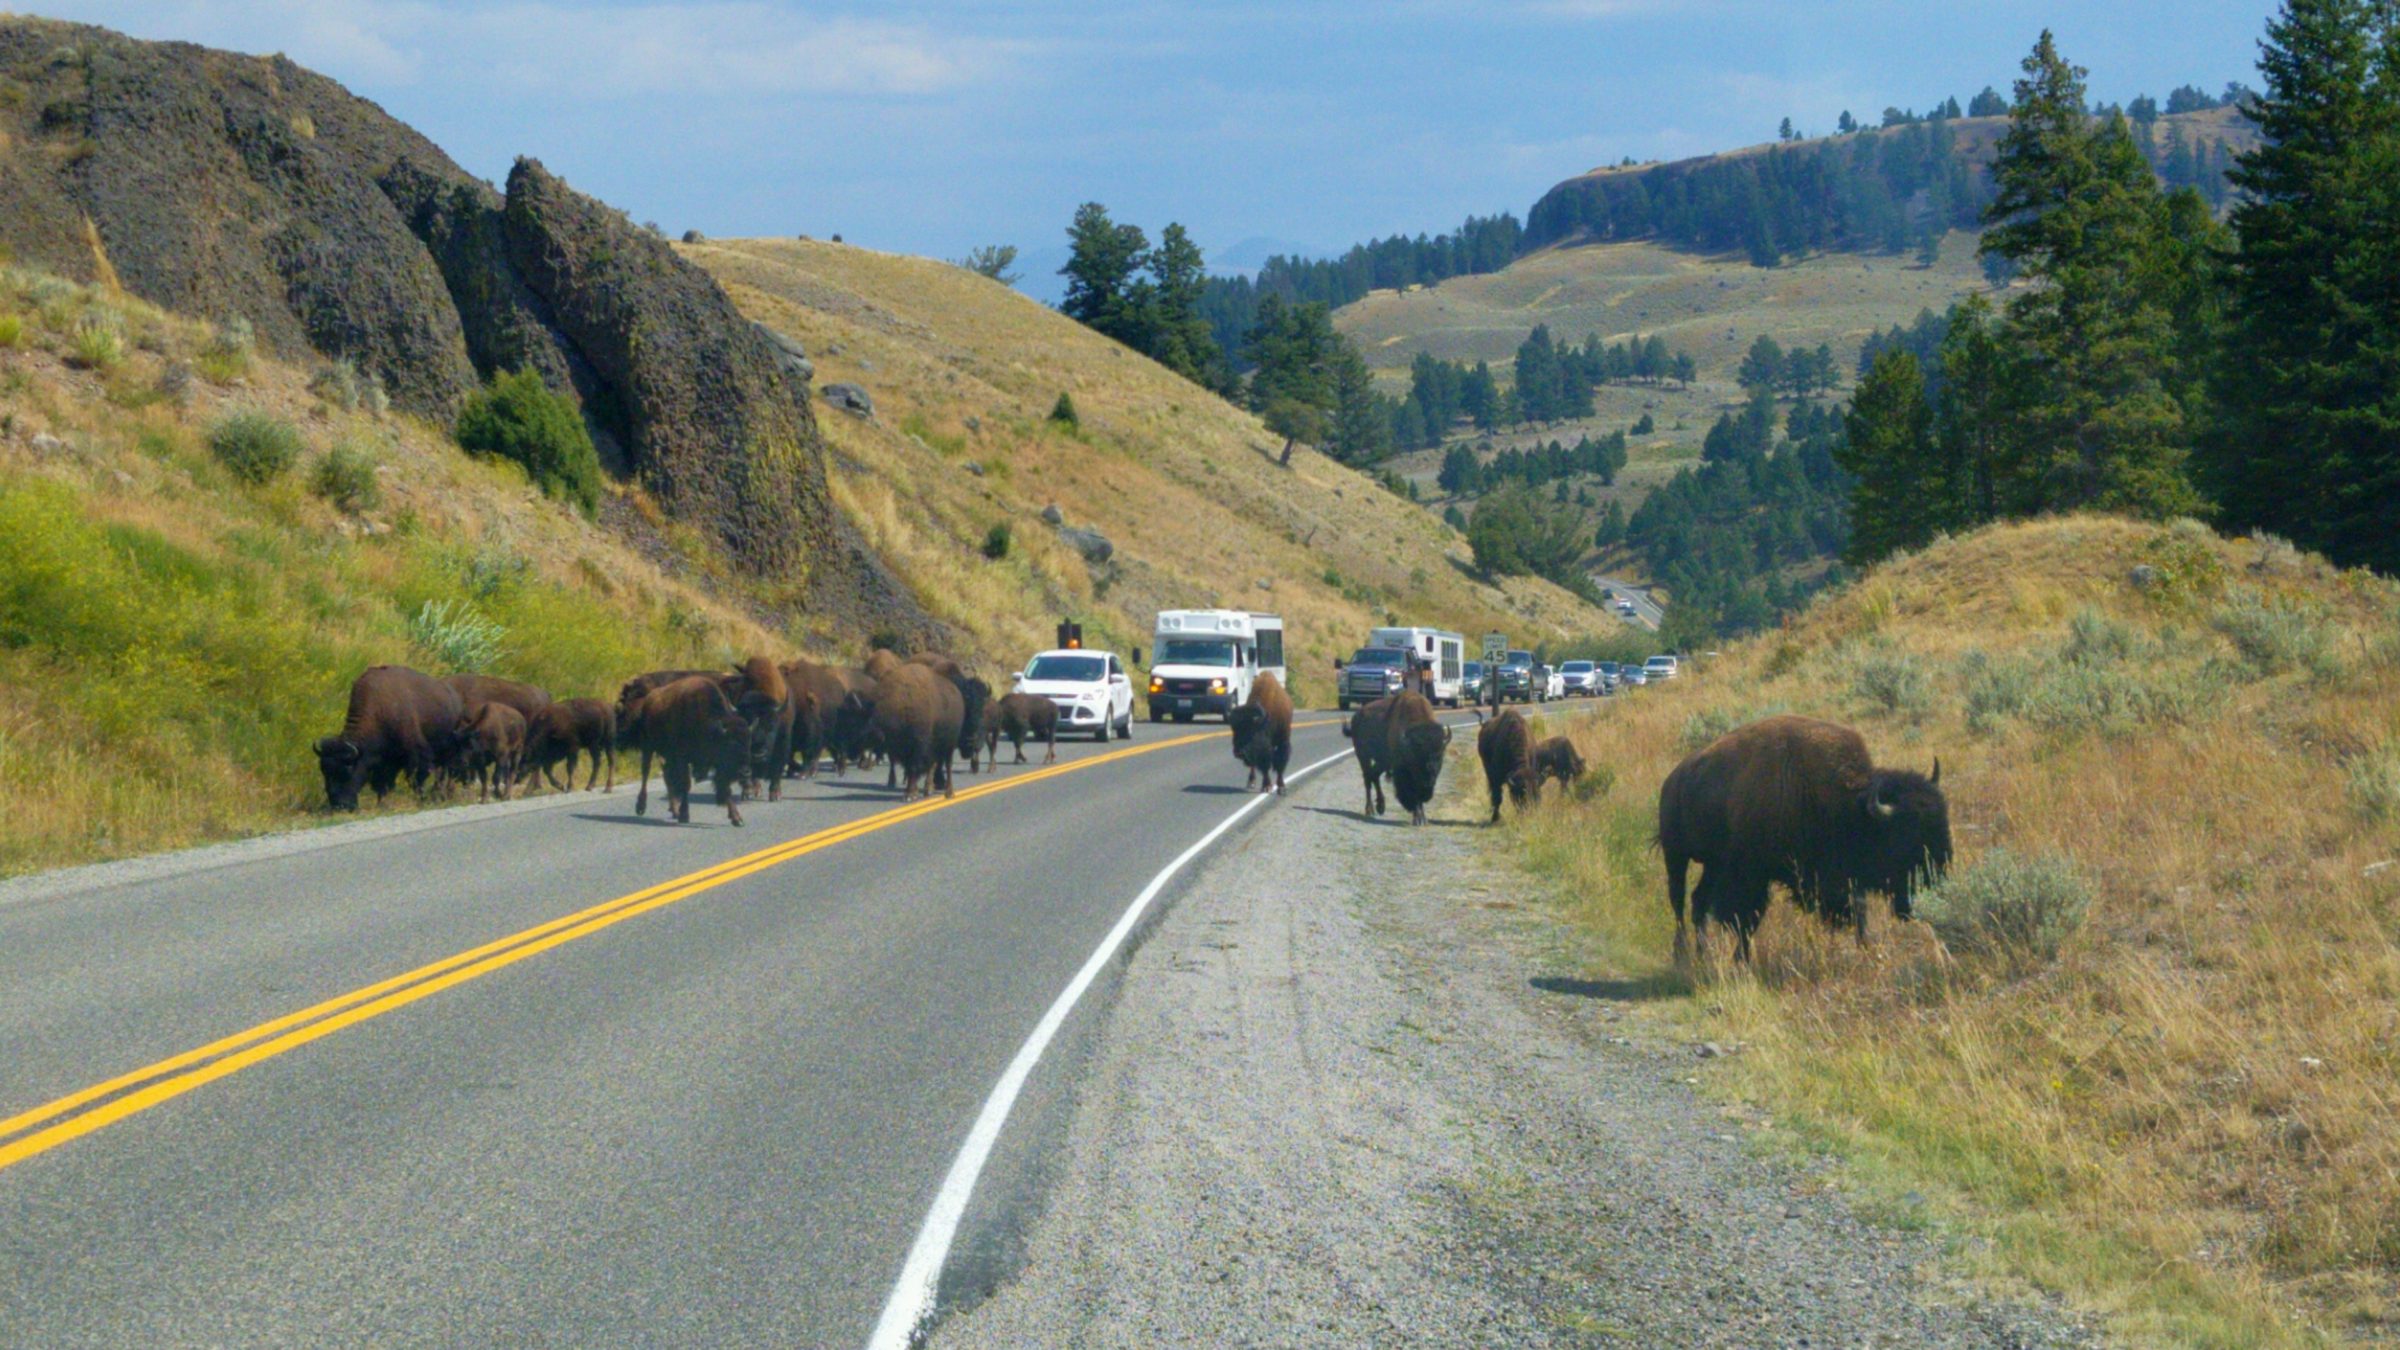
{"points": [[1361, 430], [1969, 414], [2079, 212], [2309, 382], [1889, 456], [1763, 366], [1104, 258], [1179, 337]]}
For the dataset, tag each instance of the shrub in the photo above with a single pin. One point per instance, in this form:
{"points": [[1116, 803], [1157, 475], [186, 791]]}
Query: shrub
{"points": [[97, 345], [2276, 636], [2017, 910], [2077, 696], [518, 418], [344, 386], [995, 541], [455, 637], [1995, 691], [254, 446], [225, 357], [2093, 638], [1891, 681], [1063, 412], [346, 478], [494, 568], [2375, 785], [1708, 724], [12, 329]]}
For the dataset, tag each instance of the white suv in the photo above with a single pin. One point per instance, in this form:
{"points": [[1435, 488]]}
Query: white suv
{"points": [[1091, 689], [1660, 668]]}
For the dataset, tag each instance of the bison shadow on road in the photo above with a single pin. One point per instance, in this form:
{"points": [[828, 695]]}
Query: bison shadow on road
{"points": [[1395, 818], [1218, 790], [631, 819], [1639, 989]]}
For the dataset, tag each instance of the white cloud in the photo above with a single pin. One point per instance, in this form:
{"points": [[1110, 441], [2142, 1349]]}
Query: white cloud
{"points": [[584, 52]]}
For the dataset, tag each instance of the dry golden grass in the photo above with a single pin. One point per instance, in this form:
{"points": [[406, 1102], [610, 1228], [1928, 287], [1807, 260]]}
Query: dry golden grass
{"points": [[964, 370], [2186, 1120]]}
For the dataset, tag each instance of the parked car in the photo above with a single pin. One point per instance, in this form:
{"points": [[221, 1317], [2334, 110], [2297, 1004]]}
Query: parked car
{"points": [[1516, 677], [1660, 668], [1549, 681], [1633, 677], [1090, 689], [1473, 673], [1581, 679], [1611, 676]]}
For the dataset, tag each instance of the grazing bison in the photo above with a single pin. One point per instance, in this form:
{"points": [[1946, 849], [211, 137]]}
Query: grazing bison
{"points": [[1018, 717], [690, 723], [527, 699], [1365, 730], [880, 662], [1505, 745], [493, 736], [916, 718], [762, 698], [1414, 741], [1796, 801], [1262, 734], [564, 730], [1556, 759], [975, 702], [400, 721]]}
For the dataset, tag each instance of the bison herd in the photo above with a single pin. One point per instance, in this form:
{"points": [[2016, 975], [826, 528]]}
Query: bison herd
{"points": [[1787, 801], [755, 724]]}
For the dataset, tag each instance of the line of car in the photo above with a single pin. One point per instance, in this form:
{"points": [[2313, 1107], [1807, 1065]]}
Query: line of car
{"points": [[1522, 679]]}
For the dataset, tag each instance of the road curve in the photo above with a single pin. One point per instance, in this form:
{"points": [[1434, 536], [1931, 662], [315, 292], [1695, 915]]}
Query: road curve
{"points": [[484, 1075]]}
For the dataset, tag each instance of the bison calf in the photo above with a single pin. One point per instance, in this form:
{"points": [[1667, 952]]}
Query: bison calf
{"points": [[494, 737], [1020, 717], [1556, 760], [566, 730], [1262, 734], [1796, 801]]}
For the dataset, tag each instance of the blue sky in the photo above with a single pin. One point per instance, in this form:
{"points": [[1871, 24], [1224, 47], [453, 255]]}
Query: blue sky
{"points": [[932, 127]]}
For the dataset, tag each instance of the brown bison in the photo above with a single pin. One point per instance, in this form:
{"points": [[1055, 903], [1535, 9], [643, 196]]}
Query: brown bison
{"points": [[825, 688], [1020, 717], [1557, 760], [400, 721], [916, 718], [1414, 742], [493, 736], [566, 730], [975, 703], [762, 698], [633, 691], [880, 662], [1796, 801], [527, 699], [1366, 732], [1262, 734], [1505, 745], [690, 723]]}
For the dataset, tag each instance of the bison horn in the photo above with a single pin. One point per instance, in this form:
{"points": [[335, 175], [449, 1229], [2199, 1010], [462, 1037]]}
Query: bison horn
{"points": [[1879, 806], [1937, 770]]}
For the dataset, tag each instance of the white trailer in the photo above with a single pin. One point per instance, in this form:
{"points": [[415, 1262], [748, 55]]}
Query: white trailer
{"points": [[1205, 660], [1443, 656]]}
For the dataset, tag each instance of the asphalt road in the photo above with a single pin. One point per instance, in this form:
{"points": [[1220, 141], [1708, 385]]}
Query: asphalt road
{"points": [[1647, 612], [713, 1114]]}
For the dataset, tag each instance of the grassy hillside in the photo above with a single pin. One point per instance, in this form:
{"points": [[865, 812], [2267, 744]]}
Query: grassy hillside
{"points": [[172, 639], [964, 372], [2147, 1050]]}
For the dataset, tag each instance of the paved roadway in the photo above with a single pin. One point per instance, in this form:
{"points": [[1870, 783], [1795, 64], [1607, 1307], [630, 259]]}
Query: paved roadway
{"points": [[715, 1114], [1647, 612]]}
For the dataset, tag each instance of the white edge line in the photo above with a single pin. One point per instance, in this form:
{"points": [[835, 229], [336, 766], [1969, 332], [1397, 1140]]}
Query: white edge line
{"points": [[911, 1299]]}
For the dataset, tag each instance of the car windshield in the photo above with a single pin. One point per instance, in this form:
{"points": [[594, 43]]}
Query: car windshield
{"points": [[1473, 669], [1660, 662], [1520, 658], [1194, 652], [1379, 656], [1069, 669], [1577, 667]]}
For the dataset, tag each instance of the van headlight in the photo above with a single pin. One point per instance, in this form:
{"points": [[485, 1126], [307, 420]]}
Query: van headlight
{"points": [[1157, 685], [1216, 686]]}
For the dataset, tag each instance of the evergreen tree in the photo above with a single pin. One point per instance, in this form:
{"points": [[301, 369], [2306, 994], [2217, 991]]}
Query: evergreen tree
{"points": [[1104, 259], [1847, 124], [1179, 336], [1360, 430], [1969, 414], [1763, 366], [1462, 472], [1295, 351], [2310, 379], [1889, 456], [1989, 103], [2079, 212]]}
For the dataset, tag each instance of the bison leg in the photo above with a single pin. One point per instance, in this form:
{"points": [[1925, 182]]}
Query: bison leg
{"points": [[600, 758], [641, 799], [1050, 754], [1678, 872], [733, 811], [679, 791]]}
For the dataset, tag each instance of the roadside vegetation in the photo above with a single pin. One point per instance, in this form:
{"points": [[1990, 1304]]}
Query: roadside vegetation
{"points": [[200, 547], [2144, 1049]]}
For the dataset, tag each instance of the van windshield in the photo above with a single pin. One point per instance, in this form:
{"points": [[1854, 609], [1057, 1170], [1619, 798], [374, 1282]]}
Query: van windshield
{"points": [[1520, 658], [1071, 669], [1194, 652]]}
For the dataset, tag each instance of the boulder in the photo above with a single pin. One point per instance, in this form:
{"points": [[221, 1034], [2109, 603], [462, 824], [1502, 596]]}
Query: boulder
{"points": [[1053, 516], [1093, 545], [850, 399]]}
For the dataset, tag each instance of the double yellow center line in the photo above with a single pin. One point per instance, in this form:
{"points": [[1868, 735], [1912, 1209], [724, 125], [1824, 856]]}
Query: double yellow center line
{"points": [[56, 1122]]}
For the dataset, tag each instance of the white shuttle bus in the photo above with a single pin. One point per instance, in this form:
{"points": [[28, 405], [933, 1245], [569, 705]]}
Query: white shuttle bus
{"points": [[1205, 660], [1442, 655]]}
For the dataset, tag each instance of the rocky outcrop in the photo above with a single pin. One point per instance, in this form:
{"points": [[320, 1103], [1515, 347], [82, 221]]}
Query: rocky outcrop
{"points": [[225, 186]]}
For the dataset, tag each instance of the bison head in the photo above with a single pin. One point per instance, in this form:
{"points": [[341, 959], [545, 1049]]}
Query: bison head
{"points": [[1907, 837], [1562, 761], [1249, 723], [345, 768]]}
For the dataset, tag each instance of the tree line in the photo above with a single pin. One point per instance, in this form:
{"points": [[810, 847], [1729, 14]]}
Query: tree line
{"points": [[2162, 362], [1465, 471], [1482, 244], [1550, 381]]}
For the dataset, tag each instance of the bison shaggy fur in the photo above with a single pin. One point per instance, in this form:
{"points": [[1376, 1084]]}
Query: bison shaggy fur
{"points": [[917, 716], [400, 721], [1021, 717], [1262, 734], [1505, 745], [566, 730], [1796, 801], [494, 737], [691, 723]]}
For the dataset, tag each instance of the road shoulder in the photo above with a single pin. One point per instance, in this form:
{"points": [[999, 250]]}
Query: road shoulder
{"points": [[1344, 1098]]}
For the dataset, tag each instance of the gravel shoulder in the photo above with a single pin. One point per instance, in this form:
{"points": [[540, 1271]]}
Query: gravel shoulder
{"points": [[1347, 1097]]}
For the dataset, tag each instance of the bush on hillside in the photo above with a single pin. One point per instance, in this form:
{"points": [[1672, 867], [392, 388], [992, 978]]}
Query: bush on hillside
{"points": [[2016, 910], [518, 418], [97, 345], [2375, 785], [346, 478], [996, 541], [344, 386], [1063, 412], [2275, 636], [455, 637], [255, 447], [225, 357]]}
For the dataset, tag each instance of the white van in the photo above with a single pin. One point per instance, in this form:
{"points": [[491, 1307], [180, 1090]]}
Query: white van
{"points": [[1442, 654], [1205, 660]]}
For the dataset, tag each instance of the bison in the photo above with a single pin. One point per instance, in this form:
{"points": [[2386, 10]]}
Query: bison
{"points": [[1019, 717], [1262, 734], [564, 730], [400, 721], [1366, 732], [1555, 759], [975, 701], [825, 689], [493, 739], [764, 701], [1414, 742], [633, 691], [690, 723], [527, 699], [1796, 801], [916, 718], [1505, 745]]}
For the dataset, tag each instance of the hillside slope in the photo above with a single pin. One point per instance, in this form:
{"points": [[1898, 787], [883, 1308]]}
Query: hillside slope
{"points": [[2145, 1050], [963, 373]]}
